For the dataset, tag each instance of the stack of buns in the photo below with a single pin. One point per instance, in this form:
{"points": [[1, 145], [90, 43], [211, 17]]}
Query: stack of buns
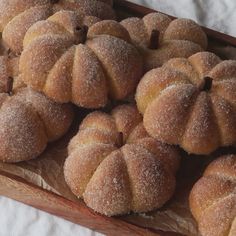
{"points": [[123, 160], [16, 17]]}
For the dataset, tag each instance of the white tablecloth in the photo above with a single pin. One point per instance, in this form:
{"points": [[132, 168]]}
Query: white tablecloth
{"points": [[20, 220]]}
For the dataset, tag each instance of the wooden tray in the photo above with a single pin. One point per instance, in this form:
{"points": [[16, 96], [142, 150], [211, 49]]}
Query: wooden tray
{"points": [[18, 189]]}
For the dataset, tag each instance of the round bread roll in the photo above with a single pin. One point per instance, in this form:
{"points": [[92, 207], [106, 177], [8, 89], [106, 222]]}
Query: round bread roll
{"points": [[69, 64], [159, 38], [28, 121], [17, 16], [213, 198], [116, 167], [191, 102]]}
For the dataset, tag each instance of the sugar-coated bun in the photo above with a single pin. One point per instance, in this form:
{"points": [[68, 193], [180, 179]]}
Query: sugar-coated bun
{"points": [[213, 198], [109, 2], [17, 16], [68, 64], [177, 38], [109, 27], [116, 167], [99, 8], [28, 121], [191, 102]]}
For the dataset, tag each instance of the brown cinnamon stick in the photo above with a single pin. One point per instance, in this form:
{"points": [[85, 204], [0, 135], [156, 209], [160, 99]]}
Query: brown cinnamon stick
{"points": [[121, 139], [207, 84], [154, 39], [81, 33], [9, 85]]}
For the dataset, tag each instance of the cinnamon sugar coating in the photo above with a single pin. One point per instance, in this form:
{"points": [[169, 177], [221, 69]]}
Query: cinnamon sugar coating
{"points": [[179, 109], [28, 122], [16, 17], [177, 38], [99, 8], [213, 198], [57, 61], [116, 167]]}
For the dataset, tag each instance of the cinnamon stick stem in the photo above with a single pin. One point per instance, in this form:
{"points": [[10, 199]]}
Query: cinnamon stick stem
{"points": [[207, 83], [121, 139], [81, 33], [154, 39], [9, 85]]}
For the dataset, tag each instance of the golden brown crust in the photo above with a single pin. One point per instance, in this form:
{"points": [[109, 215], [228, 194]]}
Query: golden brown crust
{"points": [[109, 2], [213, 198], [22, 133], [166, 153], [177, 38], [21, 23], [108, 192], [28, 122], [186, 29], [56, 118], [83, 168], [99, 8], [178, 107], [10, 9], [56, 61], [61, 23], [17, 17], [168, 50], [109, 27], [137, 177], [122, 119], [137, 133]]}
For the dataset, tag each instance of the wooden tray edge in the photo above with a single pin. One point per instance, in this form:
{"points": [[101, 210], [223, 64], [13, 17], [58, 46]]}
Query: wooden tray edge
{"points": [[17, 188]]}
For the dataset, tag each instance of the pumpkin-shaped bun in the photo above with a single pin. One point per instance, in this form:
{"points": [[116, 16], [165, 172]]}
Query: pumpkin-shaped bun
{"points": [[70, 65], [191, 102], [17, 16], [213, 198], [28, 121], [116, 167], [159, 38]]}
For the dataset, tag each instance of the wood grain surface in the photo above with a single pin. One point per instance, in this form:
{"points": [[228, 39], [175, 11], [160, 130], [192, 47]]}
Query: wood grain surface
{"points": [[16, 188]]}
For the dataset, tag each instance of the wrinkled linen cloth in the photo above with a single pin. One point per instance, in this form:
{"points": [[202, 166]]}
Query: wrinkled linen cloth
{"points": [[20, 220], [215, 14]]}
